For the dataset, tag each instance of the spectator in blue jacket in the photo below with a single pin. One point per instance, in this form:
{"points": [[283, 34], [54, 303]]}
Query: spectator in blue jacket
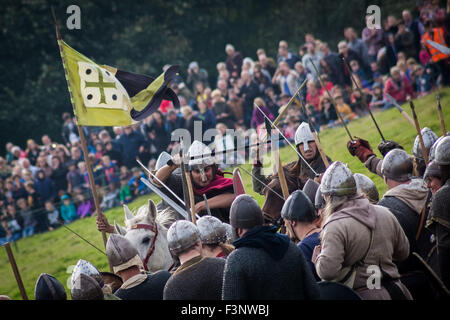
{"points": [[132, 143], [68, 210], [137, 187], [44, 186]]}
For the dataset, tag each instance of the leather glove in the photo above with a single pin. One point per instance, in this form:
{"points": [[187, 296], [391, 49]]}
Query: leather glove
{"points": [[388, 145], [360, 148]]}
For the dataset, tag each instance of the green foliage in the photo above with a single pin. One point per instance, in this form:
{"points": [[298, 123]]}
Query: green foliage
{"points": [[53, 252]]}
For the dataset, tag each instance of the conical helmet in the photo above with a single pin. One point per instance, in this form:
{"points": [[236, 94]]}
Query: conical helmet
{"points": [[49, 288], [245, 213], [229, 231], [298, 207], [433, 147], [201, 154], [87, 268], [443, 152], [429, 137], [303, 135], [338, 180], [397, 165], [86, 288], [310, 189], [432, 170], [121, 253], [212, 230], [365, 186], [181, 236], [319, 201]]}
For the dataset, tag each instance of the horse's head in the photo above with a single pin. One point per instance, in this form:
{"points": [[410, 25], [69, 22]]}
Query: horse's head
{"points": [[148, 236]]}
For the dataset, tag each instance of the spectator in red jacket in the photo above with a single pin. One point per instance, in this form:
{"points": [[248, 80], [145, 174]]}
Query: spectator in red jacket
{"points": [[398, 86]]}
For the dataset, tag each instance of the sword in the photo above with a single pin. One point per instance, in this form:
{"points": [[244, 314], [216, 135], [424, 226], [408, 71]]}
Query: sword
{"points": [[400, 109], [160, 182], [163, 196]]}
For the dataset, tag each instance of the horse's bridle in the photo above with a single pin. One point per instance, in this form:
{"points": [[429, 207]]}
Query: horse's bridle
{"points": [[153, 228]]}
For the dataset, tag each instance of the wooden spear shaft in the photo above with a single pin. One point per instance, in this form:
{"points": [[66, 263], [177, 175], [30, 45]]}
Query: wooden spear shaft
{"points": [[419, 133], [93, 186], [441, 116], [12, 261]]}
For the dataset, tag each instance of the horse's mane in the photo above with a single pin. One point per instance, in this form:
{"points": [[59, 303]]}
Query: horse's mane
{"points": [[164, 218]]}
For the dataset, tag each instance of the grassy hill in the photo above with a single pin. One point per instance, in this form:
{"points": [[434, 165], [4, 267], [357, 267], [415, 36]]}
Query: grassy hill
{"points": [[55, 252]]}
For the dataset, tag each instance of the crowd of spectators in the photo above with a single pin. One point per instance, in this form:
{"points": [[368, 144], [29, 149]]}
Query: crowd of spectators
{"points": [[43, 186]]}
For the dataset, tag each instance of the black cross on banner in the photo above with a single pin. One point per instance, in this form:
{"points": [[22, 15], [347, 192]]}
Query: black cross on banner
{"points": [[101, 85]]}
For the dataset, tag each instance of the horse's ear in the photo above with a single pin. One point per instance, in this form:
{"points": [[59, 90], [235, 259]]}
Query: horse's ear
{"points": [[152, 211], [119, 229], [128, 214]]}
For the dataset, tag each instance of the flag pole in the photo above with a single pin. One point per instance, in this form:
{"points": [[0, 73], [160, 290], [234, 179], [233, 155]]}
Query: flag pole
{"points": [[83, 140]]}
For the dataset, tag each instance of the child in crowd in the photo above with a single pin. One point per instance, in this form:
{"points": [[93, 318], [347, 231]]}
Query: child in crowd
{"points": [[329, 113], [74, 177], [52, 215], [99, 150], [27, 217], [125, 193], [13, 221], [124, 172], [344, 109], [358, 71], [423, 81], [85, 207], [111, 198], [378, 99], [110, 169], [68, 210], [313, 95], [137, 187]]}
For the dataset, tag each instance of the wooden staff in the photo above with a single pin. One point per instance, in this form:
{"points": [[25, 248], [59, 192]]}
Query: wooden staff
{"points": [[319, 146], [419, 133], [83, 142], [187, 184], [441, 116], [281, 175], [191, 196], [12, 261]]}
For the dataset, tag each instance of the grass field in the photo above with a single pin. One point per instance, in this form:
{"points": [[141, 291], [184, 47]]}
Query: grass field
{"points": [[55, 252]]}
